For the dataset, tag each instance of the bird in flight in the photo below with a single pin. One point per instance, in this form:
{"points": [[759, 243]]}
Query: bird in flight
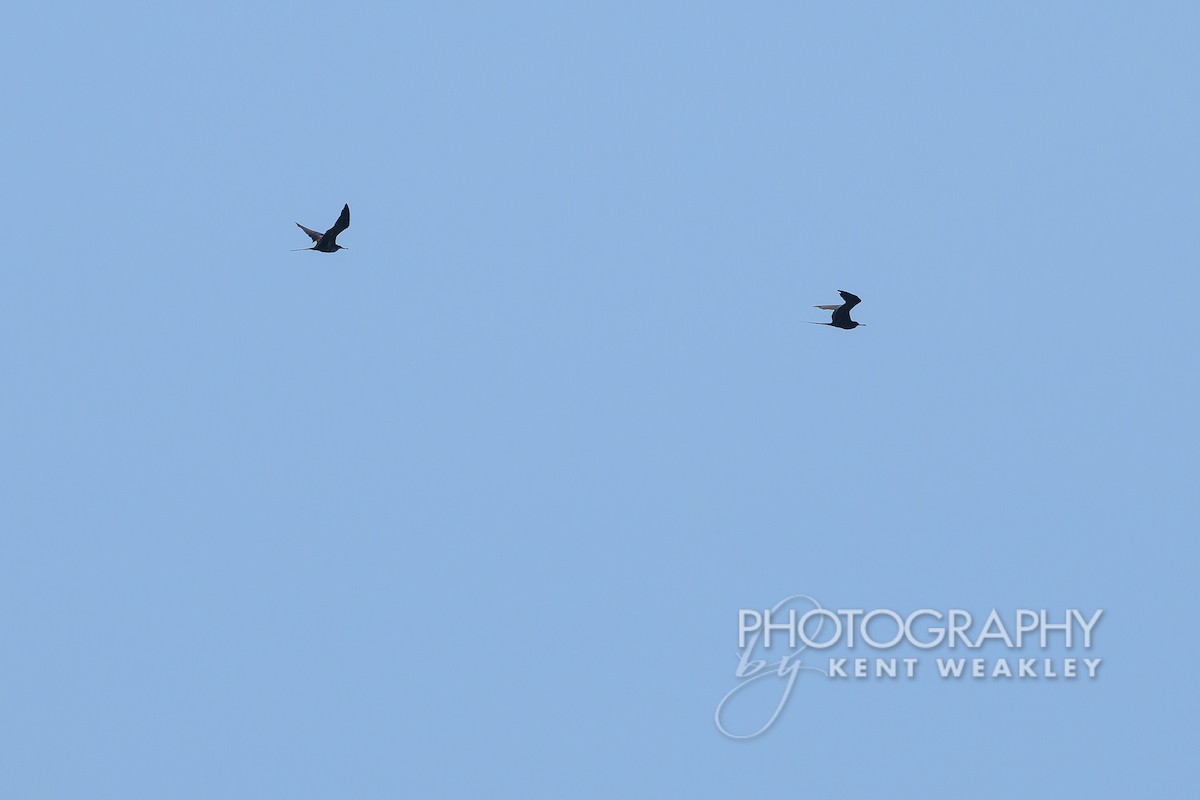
{"points": [[841, 314], [327, 242]]}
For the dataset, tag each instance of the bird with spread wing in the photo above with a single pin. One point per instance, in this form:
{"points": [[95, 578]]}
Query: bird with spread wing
{"points": [[327, 242], [841, 313]]}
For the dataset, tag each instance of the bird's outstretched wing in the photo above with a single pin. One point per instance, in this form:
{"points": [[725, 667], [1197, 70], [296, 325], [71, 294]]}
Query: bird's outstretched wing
{"points": [[841, 316], [311, 233], [828, 308], [342, 223]]}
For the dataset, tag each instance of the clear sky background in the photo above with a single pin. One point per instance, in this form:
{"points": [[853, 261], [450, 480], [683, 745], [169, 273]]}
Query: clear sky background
{"points": [[470, 508]]}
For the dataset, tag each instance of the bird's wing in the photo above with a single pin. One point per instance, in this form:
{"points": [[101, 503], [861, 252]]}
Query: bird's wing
{"points": [[342, 223], [828, 308], [311, 233], [851, 301]]}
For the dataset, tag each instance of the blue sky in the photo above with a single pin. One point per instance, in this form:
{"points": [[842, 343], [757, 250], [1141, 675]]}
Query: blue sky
{"points": [[470, 509]]}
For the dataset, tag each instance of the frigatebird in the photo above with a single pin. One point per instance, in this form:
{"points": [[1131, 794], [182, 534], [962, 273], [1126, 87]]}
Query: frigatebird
{"points": [[841, 314], [327, 242]]}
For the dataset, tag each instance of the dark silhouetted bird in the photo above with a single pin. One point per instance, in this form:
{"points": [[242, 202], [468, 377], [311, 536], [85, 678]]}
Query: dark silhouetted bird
{"points": [[327, 242], [841, 314]]}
